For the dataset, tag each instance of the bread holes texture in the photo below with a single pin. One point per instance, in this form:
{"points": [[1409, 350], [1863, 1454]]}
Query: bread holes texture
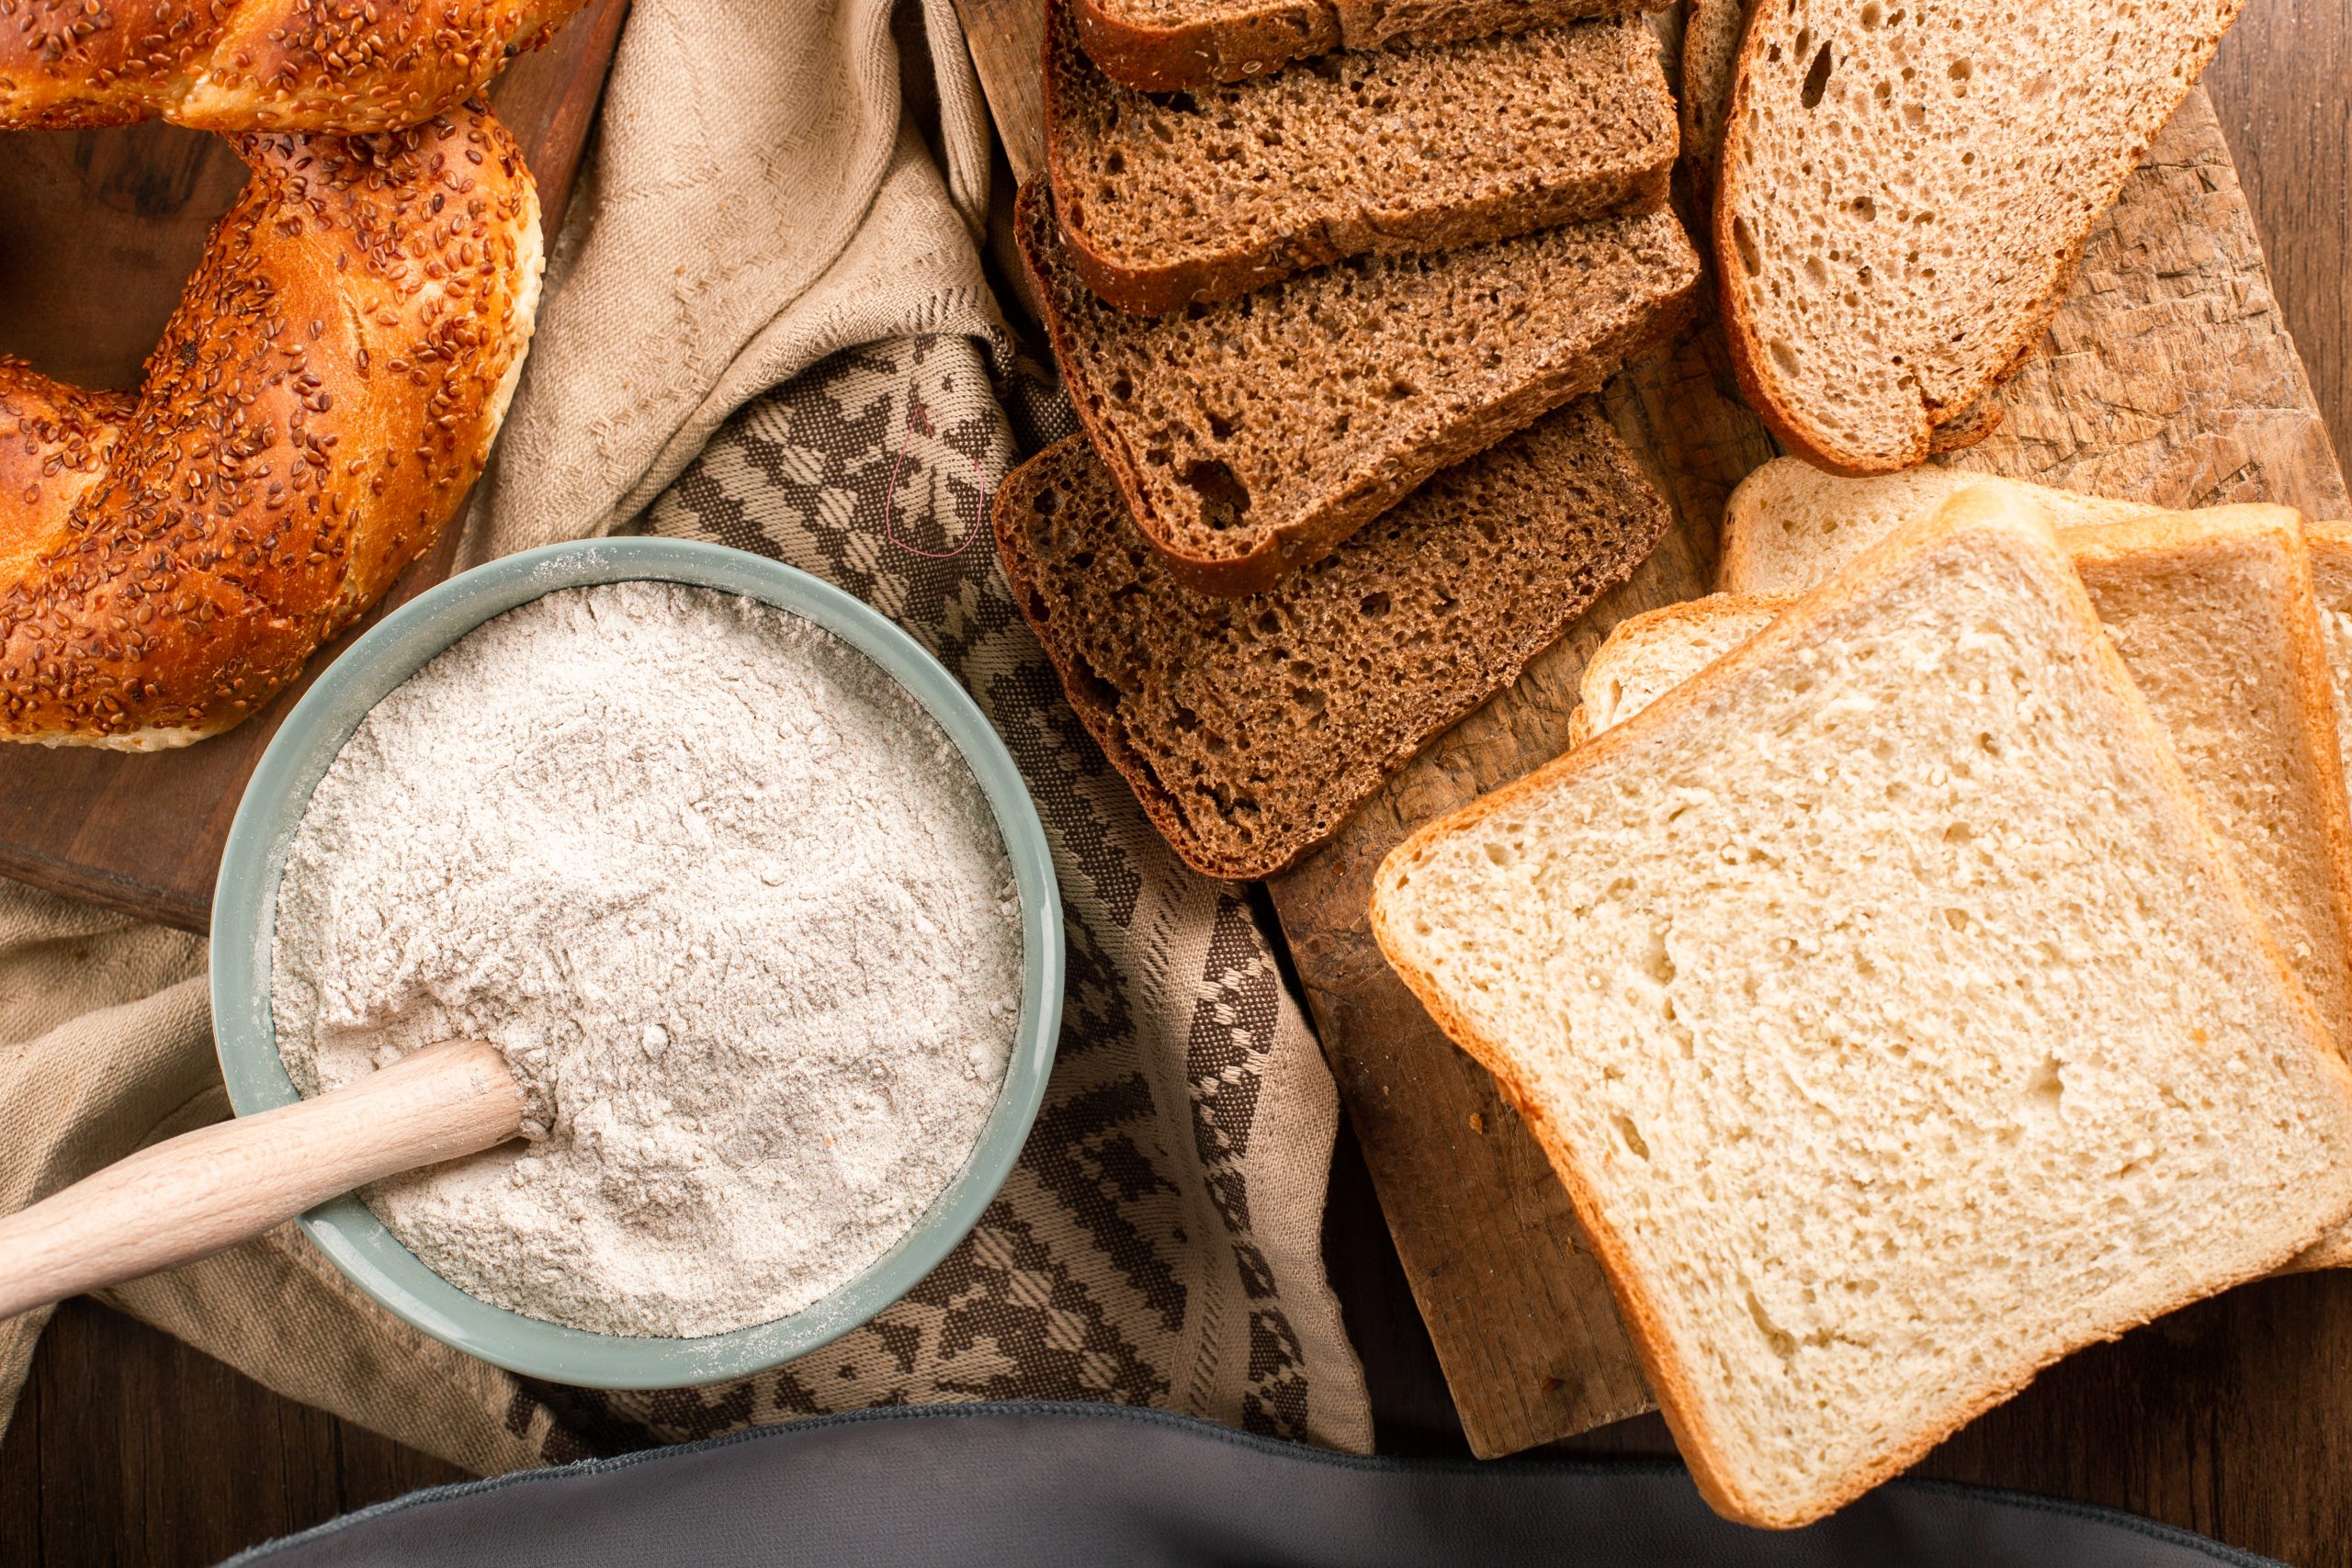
{"points": [[1910, 1162], [1711, 37], [1905, 189], [1251, 727], [1328, 396], [320, 403], [2214, 615]]}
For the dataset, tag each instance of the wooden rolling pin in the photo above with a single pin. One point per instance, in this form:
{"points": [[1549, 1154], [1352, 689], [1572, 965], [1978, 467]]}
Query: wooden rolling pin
{"points": [[192, 1196]]}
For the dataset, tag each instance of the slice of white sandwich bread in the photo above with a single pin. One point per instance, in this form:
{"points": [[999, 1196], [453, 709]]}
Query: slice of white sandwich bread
{"points": [[2213, 613], [2237, 622], [1648, 655], [2331, 547], [2216, 617], [1891, 1015], [1788, 524]]}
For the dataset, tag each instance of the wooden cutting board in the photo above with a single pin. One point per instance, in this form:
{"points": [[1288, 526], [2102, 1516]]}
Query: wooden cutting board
{"points": [[2168, 376], [98, 231]]}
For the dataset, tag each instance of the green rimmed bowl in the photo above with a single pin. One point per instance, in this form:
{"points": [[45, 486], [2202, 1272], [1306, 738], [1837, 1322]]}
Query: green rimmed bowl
{"points": [[245, 909]]}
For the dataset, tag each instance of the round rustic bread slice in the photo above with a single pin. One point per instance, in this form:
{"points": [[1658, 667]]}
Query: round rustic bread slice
{"points": [[1904, 188]]}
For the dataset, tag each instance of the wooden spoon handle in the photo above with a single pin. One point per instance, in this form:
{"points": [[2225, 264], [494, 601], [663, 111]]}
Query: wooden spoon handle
{"points": [[191, 1196]]}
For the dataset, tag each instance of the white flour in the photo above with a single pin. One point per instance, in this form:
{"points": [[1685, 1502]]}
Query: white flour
{"points": [[735, 909]]}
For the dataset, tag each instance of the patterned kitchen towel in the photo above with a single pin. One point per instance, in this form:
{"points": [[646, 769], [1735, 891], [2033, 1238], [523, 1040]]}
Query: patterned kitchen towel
{"points": [[1158, 1243]]}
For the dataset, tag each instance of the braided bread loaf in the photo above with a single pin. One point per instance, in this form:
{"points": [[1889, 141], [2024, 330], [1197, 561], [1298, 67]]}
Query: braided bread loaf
{"points": [[317, 65], [320, 401]]}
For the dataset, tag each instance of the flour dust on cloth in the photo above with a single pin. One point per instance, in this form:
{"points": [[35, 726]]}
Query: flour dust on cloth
{"points": [[1158, 1241]]}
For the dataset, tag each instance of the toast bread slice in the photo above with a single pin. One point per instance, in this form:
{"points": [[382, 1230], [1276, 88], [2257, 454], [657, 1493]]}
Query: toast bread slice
{"points": [[1169, 200], [2331, 547], [1252, 728], [1710, 33], [1252, 436], [2217, 618], [1893, 1018], [2215, 614], [1648, 655]]}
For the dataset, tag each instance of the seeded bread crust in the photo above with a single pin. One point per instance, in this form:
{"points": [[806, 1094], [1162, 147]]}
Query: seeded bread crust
{"points": [[2002, 329], [1165, 201], [1991, 516], [1176, 45], [1250, 729], [1252, 436]]}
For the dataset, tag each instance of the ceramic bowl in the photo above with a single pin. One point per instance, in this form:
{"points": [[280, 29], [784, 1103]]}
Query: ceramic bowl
{"points": [[245, 916]]}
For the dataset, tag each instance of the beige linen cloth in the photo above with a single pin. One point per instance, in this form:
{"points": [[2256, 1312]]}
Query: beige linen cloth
{"points": [[768, 325]]}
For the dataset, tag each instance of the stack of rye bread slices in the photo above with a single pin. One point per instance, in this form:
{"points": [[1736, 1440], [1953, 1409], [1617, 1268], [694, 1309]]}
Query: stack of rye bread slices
{"points": [[1933, 956], [1329, 305]]}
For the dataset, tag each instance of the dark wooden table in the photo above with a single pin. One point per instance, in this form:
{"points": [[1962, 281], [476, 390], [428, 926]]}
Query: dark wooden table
{"points": [[129, 1447]]}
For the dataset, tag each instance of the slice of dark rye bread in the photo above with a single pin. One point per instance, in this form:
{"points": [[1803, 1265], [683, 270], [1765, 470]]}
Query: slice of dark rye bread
{"points": [[1252, 436], [1165, 200], [1165, 46], [1251, 729]]}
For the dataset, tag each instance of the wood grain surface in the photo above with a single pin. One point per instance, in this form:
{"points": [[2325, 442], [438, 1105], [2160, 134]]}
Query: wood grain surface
{"points": [[1007, 38], [101, 229]]}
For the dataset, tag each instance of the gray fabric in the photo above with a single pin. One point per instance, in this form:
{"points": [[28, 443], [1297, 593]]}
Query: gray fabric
{"points": [[1042, 1484]]}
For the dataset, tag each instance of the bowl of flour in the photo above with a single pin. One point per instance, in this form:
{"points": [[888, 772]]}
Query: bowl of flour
{"points": [[744, 888]]}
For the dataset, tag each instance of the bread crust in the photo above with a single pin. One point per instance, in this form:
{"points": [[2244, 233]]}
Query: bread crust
{"points": [[2330, 544], [1156, 290], [1711, 30], [1161, 290], [1386, 480], [1996, 514], [1741, 562], [1629, 635], [2157, 547], [2174, 542], [1184, 55], [1759, 383], [1077, 680], [318, 405], [277, 65]]}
